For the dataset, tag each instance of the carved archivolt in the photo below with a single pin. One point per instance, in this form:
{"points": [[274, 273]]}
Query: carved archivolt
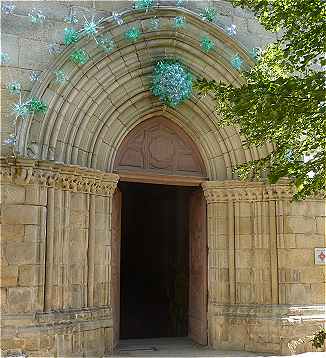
{"points": [[50, 174]]}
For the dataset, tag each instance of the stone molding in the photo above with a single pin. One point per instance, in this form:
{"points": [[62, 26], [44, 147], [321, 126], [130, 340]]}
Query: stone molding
{"points": [[57, 175], [234, 190], [286, 313]]}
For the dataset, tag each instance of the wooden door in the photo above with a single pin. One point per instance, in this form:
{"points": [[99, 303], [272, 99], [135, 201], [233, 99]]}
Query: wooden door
{"points": [[115, 265], [198, 269]]}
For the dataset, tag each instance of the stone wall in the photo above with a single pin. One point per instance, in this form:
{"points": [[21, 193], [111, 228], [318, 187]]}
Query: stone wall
{"points": [[56, 254], [265, 289]]}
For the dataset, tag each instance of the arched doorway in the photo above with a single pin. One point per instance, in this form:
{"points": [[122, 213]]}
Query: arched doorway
{"points": [[159, 271]]}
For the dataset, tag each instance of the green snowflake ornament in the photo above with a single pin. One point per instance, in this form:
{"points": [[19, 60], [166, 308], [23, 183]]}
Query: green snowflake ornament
{"points": [[143, 4], [79, 57], [70, 36], [107, 44], [37, 106], [236, 62], [154, 23], [207, 44], [132, 34], [208, 14], [171, 82], [60, 77], [14, 88]]}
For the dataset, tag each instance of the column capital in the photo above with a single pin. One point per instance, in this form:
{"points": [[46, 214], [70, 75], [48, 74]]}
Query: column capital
{"points": [[57, 175], [235, 190]]}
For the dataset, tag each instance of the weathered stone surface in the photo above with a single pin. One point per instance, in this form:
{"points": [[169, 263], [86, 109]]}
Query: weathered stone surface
{"points": [[9, 276], [21, 214], [19, 299], [12, 232], [22, 252]]}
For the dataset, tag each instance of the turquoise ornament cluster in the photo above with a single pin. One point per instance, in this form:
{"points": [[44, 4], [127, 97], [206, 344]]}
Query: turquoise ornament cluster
{"points": [[171, 82]]}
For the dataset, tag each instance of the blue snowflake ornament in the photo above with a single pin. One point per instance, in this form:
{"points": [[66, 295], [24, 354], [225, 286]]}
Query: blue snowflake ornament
{"points": [[14, 88], [4, 57], [179, 22], [171, 82], [34, 76], [117, 18], [54, 49], [232, 30], [11, 140], [36, 16], [8, 8], [60, 77], [20, 110], [71, 19], [236, 62]]}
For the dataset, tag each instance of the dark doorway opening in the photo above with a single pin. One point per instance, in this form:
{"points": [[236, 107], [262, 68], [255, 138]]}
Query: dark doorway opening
{"points": [[154, 279]]}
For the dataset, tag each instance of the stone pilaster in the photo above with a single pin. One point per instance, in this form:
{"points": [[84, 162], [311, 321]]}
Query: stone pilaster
{"points": [[258, 265], [56, 236]]}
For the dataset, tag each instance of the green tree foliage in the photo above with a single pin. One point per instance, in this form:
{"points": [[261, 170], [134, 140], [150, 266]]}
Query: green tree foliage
{"points": [[282, 98]]}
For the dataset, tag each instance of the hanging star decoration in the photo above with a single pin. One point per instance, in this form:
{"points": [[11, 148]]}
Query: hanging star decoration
{"points": [[14, 88], [60, 77], [117, 18], [154, 23], [132, 34], [171, 82], [179, 22], [232, 30], [107, 44], [36, 16], [143, 4], [70, 36], [207, 44], [208, 14], [11, 140], [34, 76], [8, 8], [79, 57], [236, 62], [91, 27], [4, 57]]}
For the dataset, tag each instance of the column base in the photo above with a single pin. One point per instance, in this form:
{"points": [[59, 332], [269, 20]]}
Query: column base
{"points": [[263, 328], [85, 332]]}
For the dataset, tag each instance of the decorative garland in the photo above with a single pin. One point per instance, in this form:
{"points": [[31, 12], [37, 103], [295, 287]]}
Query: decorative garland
{"points": [[172, 82]]}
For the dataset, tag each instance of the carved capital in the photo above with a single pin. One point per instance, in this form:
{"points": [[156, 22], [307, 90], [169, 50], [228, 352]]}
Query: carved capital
{"points": [[221, 191], [50, 174]]}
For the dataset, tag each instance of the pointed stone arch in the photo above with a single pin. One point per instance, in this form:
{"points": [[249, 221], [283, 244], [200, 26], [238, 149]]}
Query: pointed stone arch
{"points": [[105, 99]]}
